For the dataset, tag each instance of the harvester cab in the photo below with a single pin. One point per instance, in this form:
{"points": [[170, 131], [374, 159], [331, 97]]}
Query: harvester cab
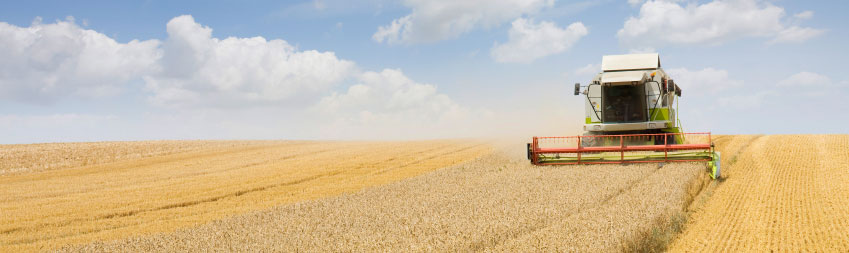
{"points": [[630, 117]]}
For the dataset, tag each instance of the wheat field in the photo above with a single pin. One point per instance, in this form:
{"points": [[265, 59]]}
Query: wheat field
{"points": [[498, 202], [15, 159], [55, 195], [781, 193], [778, 192]]}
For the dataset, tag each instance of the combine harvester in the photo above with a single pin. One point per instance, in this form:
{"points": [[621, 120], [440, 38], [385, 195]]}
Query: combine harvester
{"points": [[631, 117]]}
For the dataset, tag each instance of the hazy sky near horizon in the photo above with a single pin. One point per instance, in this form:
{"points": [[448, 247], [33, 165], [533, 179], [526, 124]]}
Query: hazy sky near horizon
{"points": [[375, 69]]}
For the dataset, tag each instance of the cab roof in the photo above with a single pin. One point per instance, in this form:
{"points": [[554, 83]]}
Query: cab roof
{"points": [[630, 62]]}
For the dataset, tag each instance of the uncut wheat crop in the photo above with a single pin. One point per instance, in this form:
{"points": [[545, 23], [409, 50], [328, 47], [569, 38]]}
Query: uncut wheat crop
{"points": [[76, 193], [497, 202]]}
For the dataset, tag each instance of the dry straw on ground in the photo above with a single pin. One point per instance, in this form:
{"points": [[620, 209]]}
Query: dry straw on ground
{"points": [[496, 203], [16, 159], [169, 185], [781, 193]]}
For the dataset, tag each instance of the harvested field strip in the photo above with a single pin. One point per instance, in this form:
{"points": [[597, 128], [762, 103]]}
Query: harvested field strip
{"points": [[16, 159], [496, 203], [784, 193], [112, 200]]}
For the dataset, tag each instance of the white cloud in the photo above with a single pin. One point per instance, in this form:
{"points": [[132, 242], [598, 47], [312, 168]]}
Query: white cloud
{"points": [[389, 104], [435, 20], [806, 79], [394, 32], [390, 93], [708, 93], [712, 23], [804, 15], [199, 70], [218, 87], [45, 62], [706, 81], [745, 101], [795, 34], [812, 85], [529, 41], [590, 69]]}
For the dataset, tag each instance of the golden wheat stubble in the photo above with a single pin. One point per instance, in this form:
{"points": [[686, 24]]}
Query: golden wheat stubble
{"points": [[783, 193], [117, 198]]}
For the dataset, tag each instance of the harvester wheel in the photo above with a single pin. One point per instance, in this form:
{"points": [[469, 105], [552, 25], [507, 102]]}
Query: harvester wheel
{"points": [[670, 139]]}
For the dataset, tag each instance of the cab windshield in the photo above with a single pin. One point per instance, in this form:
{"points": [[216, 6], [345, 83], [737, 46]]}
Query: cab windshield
{"points": [[623, 103]]}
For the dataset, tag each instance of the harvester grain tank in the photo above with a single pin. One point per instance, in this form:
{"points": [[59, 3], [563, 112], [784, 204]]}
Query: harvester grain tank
{"points": [[631, 116]]}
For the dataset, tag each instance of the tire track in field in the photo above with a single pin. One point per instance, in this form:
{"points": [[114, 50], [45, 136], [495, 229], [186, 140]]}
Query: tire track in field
{"points": [[118, 166], [206, 199], [166, 207], [123, 214], [66, 222], [266, 165], [427, 158]]}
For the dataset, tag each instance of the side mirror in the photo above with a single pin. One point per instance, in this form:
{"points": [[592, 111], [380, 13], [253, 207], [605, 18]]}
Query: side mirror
{"points": [[674, 88], [670, 85], [577, 88]]}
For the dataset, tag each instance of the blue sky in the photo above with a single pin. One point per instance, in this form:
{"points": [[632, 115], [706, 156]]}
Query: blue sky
{"points": [[372, 69]]}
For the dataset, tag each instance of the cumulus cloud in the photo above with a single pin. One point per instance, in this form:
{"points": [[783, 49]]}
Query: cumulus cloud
{"points": [[705, 81], [214, 84], [529, 41], [712, 23], [45, 62], [199, 70], [389, 103], [435, 20]]}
